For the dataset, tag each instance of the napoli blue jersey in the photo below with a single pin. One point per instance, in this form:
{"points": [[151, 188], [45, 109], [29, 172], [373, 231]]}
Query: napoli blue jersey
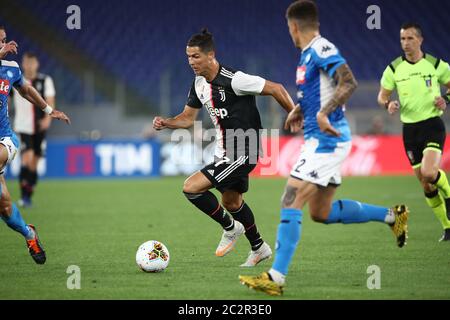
{"points": [[316, 86], [10, 75]]}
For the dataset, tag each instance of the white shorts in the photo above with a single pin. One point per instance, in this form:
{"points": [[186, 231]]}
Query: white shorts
{"points": [[321, 168], [11, 147]]}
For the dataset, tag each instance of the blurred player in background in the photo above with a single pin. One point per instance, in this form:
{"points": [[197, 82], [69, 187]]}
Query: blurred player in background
{"points": [[417, 77], [325, 83], [11, 75], [229, 97], [31, 123]]}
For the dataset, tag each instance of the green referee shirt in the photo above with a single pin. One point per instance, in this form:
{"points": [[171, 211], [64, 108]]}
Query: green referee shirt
{"points": [[417, 84]]}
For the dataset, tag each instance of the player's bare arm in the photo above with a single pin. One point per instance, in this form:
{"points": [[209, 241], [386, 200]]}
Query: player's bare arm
{"points": [[442, 102], [384, 100], [346, 85], [280, 94], [294, 120], [29, 93], [45, 122], [182, 121]]}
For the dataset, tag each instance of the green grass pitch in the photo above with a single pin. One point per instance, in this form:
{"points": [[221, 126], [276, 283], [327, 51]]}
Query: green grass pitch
{"points": [[98, 226]]}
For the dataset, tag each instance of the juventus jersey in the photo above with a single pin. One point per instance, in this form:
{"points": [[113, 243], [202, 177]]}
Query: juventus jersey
{"points": [[27, 115], [230, 101]]}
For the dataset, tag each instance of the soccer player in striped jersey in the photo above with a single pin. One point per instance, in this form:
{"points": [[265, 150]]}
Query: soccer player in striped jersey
{"points": [[32, 125], [228, 96], [325, 83], [11, 75]]}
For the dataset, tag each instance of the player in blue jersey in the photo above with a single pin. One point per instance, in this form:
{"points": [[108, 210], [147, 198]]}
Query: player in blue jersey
{"points": [[324, 82], [10, 75]]}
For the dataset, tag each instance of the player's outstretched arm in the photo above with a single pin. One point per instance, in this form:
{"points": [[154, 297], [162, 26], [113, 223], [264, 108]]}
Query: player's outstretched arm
{"points": [[10, 47], [29, 93], [280, 94], [184, 120], [346, 85]]}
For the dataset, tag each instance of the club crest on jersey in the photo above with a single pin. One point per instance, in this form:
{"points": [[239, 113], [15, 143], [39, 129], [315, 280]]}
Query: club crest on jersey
{"points": [[222, 95], [428, 82], [301, 75], [4, 86]]}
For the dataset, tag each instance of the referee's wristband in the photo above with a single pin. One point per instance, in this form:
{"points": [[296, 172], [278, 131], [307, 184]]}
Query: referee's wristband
{"points": [[48, 109], [446, 98]]}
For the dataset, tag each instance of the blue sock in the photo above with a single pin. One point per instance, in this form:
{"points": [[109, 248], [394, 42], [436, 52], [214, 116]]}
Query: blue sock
{"points": [[350, 211], [288, 235], [16, 222]]}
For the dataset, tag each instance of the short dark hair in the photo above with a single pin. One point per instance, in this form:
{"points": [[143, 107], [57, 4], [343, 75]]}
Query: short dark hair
{"points": [[409, 25], [305, 12], [30, 55], [204, 40], [2, 27]]}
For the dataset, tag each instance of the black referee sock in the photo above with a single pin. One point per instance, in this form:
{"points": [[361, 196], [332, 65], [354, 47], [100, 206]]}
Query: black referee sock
{"points": [[208, 203], [245, 216]]}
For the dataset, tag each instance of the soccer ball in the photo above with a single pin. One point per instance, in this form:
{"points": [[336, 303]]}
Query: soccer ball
{"points": [[152, 256]]}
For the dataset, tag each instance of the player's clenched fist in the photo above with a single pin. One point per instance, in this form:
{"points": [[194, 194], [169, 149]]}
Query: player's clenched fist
{"points": [[440, 103], [393, 107], [158, 123]]}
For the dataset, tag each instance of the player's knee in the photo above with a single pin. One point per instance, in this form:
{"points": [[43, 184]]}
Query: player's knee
{"points": [[318, 217], [232, 205], [429, 174], [189, 186]]}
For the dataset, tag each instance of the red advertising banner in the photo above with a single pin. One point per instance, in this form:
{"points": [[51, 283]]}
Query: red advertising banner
{"points": [[370, 155]]}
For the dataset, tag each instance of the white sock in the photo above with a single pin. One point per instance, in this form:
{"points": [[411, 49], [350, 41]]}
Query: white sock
{"points": [[277, 277], [31, 235], [390, 217]]}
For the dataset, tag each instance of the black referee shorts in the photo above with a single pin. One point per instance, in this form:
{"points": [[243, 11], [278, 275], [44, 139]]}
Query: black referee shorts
{"points": [[421, 136], [33, 142], [229, 175]]}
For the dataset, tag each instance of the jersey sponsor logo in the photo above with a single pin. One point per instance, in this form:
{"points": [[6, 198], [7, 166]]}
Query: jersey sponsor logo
{"points": [[4, 87], [221, 113], [301, 75]]}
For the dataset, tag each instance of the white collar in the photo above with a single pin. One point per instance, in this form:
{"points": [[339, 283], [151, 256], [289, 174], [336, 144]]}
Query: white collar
{"points": [[311, 42]]}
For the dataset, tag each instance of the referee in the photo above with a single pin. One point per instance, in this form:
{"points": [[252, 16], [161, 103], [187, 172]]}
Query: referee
{"points": [[417, 77]]}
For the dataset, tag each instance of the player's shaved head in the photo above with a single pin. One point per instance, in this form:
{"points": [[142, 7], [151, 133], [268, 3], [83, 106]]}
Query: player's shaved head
{"points": [[305, 13], [204, 40], [413, 25]]}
